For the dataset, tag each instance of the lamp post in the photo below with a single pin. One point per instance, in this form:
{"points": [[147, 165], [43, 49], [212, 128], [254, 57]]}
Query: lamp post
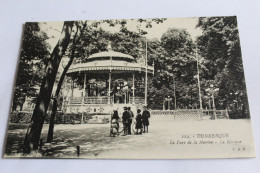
{"points": [[212, 91], [198, 76], [168, 100], [208, 99]]}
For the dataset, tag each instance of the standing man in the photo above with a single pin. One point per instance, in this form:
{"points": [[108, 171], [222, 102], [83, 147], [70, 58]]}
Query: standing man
{"points": [[125, 119], [131, 115], [138, 124], [145, 117]]}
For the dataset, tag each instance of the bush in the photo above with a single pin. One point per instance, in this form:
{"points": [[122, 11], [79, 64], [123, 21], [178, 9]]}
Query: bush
{"points": [[20, 117], [60, 118], [235, 114]]}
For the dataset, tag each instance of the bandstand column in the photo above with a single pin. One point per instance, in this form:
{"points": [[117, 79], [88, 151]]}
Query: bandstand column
{"points": [[72, 86], [109, 87], [84, 86], [133, 88], [83, 98]]}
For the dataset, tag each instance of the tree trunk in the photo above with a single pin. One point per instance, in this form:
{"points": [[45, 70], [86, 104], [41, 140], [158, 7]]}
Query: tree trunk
{"points": [[14, 106], [52, 119], [33, 134], [55, 105]]}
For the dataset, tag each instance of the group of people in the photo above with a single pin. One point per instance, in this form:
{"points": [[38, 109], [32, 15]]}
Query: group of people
{"points": [[141, 123]]}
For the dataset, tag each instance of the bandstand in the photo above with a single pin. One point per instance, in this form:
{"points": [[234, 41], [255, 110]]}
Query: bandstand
{"points": [[107, 80]]}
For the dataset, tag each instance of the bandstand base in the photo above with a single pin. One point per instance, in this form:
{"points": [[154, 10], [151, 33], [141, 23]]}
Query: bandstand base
{"points": [[101, 109]]}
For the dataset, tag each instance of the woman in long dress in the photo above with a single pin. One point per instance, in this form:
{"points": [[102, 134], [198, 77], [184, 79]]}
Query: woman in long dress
{"points": [[138, 124], [116, 118]]}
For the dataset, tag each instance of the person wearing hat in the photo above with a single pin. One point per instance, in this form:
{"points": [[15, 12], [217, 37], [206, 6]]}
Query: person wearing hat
{"points": [[145, 117], [138, 124], [125, 119], [131, 115]]}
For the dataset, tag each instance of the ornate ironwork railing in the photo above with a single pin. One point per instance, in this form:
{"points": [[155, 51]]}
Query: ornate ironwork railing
{"points": [[75, 100], [97, 100], [137, 100], [91, 100], [102, 100]]}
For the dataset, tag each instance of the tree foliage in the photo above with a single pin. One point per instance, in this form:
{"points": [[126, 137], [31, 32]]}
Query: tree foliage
{"points": [[175, 67], [34, 53], [219, 45]]}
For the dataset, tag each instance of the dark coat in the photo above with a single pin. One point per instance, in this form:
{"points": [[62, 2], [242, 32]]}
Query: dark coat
{"points": [[145, 117], [138, 124], [125, 116]]}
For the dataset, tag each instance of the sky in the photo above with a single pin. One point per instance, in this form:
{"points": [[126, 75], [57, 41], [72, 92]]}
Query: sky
{"points": [[53, 29], [157, 30]]}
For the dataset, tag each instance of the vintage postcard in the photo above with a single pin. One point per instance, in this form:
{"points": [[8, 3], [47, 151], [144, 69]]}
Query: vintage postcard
{"points": [[159, 88]]}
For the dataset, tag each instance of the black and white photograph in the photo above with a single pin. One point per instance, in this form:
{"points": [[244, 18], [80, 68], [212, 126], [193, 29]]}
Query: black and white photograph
{"points": [[144, 88]]}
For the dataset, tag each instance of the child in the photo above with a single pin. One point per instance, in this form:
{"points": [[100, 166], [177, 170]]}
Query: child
{"points": [[138, 125], [115, 119]]}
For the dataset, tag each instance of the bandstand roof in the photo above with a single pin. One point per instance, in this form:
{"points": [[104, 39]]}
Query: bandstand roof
{"points": [[121, 63], [110, 54], [109, 65]]}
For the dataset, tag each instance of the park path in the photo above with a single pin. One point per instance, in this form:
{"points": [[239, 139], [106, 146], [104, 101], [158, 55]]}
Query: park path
{"points": [[158, 143], [95, 142]]}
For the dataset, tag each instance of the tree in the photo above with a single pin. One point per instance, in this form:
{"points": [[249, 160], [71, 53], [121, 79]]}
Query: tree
{"points": [[181, 58], [175, 67], [72, 49], [33, 52], [219, 45], [31, 141]]}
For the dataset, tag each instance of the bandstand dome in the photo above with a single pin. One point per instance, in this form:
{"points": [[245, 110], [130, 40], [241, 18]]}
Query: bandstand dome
{"points": [[110, 54], [110, 61]]}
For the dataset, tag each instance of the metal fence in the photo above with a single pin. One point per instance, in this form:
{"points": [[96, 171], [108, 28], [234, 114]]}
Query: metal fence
{"points": [[181, 114], [189, 114]]}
